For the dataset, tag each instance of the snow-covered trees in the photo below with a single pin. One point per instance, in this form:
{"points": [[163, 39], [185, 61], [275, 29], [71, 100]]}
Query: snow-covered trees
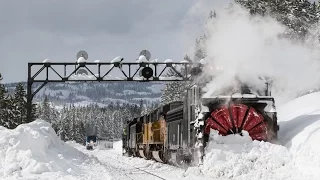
{"points": [[47, 112], [13, 109], [20, 103], [3, 106], [174, 91], [73, 123], [297, 15]]}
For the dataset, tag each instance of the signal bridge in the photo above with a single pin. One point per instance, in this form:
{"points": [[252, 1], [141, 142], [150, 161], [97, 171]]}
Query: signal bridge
{"points": [[82, 70]]}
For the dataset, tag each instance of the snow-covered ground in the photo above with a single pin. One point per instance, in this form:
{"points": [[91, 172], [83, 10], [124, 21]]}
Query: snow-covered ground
{"points": [[33, 151]]}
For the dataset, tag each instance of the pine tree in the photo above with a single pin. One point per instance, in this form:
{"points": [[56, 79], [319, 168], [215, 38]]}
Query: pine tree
{"points": [[63, 126], [20, 104], [11, 113], [297, 15], [34, 113], [199, 49], [3, 121], [45, 110], [6, 108], [82, 133], [48, 113]]}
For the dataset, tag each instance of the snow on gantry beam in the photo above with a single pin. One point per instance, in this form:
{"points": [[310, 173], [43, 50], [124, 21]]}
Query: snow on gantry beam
{"points": [[116, 70], [106, 71]]}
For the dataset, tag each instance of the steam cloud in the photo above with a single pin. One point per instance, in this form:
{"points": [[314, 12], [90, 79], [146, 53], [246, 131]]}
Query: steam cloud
{"points": [[249, 47]]}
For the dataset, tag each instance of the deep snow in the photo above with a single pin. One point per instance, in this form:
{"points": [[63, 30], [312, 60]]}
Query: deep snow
{"points": [[33, 151]]}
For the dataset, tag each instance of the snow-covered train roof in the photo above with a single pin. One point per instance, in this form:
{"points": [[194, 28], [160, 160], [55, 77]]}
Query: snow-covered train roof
{"points": [[242, 97]]}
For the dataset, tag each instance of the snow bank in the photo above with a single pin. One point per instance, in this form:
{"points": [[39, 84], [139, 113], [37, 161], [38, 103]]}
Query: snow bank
{"points": [[34, 149], [300, 106], [239, 157], [300, 131]]}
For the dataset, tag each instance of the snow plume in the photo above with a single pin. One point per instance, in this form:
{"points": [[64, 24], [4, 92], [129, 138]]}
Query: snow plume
{"points": [[251, 47]]}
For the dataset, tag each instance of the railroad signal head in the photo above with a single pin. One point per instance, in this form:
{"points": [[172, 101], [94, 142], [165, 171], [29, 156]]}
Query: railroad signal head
{"points": [[83, 54], [146, 72], [146, 54]]}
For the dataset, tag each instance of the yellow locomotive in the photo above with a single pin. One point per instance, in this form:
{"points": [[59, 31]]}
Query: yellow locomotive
{"points": [[148, 134]]}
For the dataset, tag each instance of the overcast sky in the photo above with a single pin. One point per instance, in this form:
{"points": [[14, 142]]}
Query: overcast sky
{"points": [[34, 30]]}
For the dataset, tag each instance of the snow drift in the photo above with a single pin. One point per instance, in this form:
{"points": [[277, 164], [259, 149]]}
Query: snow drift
{"points": [[35, 149], [238, 157], [300, 131]]}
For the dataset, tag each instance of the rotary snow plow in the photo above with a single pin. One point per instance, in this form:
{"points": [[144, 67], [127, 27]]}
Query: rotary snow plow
{"points": [[234, 114]]}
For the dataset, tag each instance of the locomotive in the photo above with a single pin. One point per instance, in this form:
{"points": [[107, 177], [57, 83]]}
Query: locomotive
{"points": [[177, 133]]}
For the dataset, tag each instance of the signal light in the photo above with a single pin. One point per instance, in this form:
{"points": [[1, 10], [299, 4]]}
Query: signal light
{"points": [[146, 72]]}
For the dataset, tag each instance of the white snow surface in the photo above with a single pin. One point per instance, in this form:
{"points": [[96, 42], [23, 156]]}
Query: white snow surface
{"points": [[83, 77], [46, 61], [81, 60], [203, 61], [142, 58], [116, 59], [168, 61], [184, 61], [34, 151]]}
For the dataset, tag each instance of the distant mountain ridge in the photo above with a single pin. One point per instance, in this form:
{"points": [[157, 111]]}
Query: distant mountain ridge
{"points": [[95, 92]]}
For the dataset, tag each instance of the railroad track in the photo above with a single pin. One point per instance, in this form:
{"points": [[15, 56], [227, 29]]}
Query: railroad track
{"points": [[147, 172], [139, 169], [128, 171]]}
